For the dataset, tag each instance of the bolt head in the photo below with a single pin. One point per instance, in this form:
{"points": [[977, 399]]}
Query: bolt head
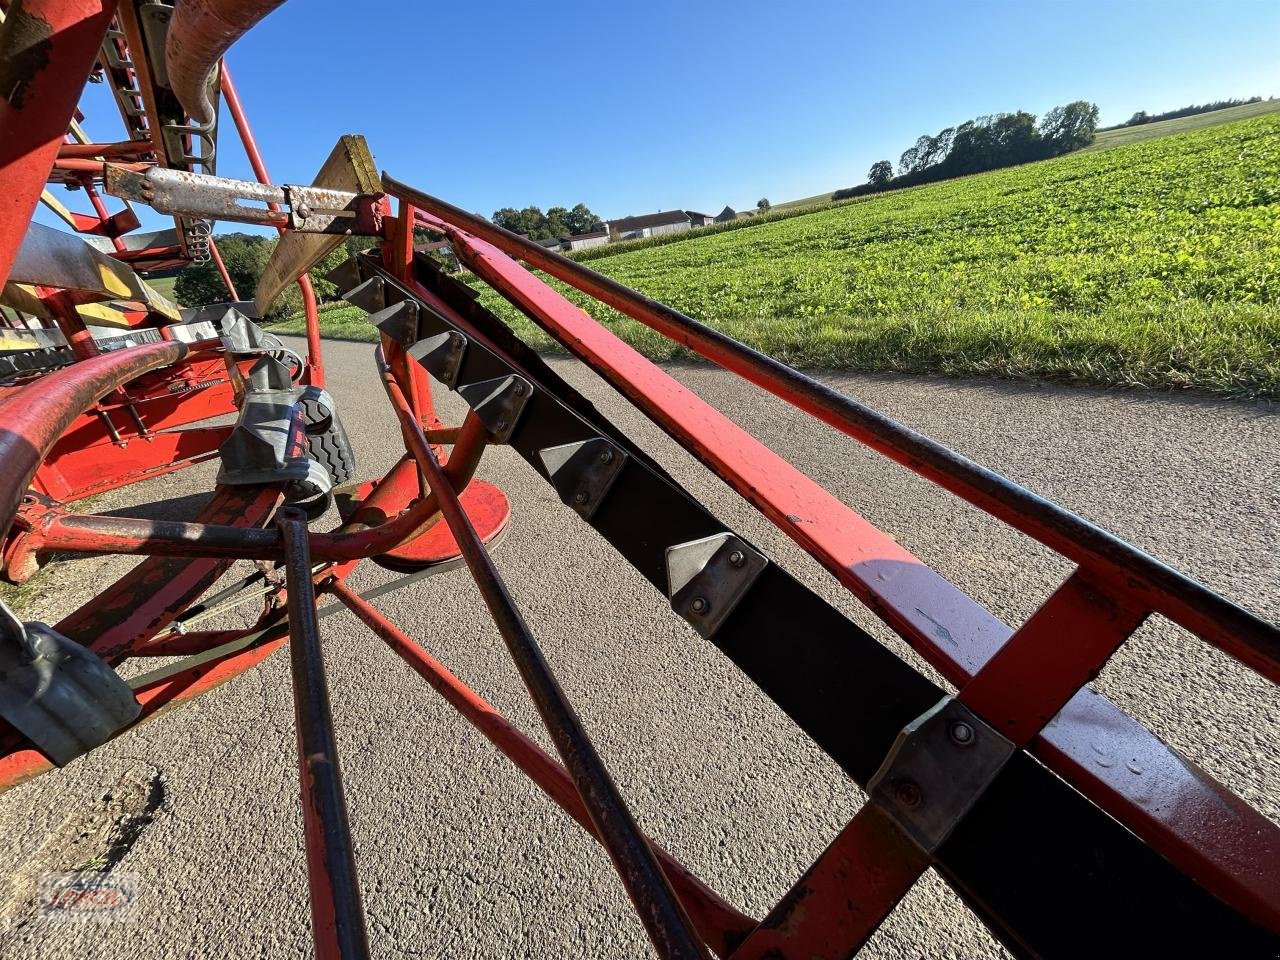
{"points": [[737, 558], [501, 424], [518, 389], [580, 497], [699, 605], [907, 793], [606, 456], [961, 733]]}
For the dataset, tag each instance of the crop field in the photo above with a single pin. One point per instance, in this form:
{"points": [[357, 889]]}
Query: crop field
{"points": [[1154, 264]]}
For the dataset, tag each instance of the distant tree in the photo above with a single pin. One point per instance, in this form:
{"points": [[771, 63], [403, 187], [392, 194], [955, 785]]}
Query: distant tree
{"points": [[244, 254], [581, 220], [1142, 116], [556, 222], [763, 204], [881, 173], [1068, 127]]}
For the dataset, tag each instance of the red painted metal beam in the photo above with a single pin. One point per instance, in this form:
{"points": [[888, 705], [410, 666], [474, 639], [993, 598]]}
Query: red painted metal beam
{"points": [[1150, 583], [1177, 808], [840, 901], [47, 49], [32, 420]]}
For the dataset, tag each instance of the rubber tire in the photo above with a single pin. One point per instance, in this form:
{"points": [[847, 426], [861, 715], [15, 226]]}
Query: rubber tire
{"points": [[327, 442], [332, 450]]}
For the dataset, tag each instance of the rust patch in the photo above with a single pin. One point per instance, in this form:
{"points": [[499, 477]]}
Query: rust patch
{"points": [[26, 42]]}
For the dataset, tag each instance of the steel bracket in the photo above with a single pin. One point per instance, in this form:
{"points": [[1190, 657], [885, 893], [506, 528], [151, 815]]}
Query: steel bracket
{"points": [[498, 403], [58, 694], [583, 472], [441, 355], [369, 296], [346, 275], [707, 578], [937, 768], [398, 321]]}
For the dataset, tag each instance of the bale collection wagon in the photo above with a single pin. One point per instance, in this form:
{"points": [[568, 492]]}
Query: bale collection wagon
{"points": [[1038, 800]]}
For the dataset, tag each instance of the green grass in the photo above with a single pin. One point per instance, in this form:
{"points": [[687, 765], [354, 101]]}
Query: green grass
{"points": [[163, 285], [1153, 264], [1107, 139]]}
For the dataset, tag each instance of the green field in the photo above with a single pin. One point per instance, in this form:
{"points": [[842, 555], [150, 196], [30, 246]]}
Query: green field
{"points": [[1106, 139], [1154, 264], [163, 285]]}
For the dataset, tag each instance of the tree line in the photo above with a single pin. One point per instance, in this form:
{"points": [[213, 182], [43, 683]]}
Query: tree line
{"points": [[1142, 116], [556, 223], [984, 143], [245, 256]]}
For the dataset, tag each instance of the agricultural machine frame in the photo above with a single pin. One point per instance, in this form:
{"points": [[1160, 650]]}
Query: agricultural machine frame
{"points": [[1065, 824]]}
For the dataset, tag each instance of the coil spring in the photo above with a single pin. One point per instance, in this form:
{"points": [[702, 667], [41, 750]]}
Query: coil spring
{"points": [[198, 233]]}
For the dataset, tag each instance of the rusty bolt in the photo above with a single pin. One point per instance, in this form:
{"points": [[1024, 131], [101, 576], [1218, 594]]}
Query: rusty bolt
{"points": [[961, 733], [907, 793], [699, 605], [303, 211], [737, 558]]}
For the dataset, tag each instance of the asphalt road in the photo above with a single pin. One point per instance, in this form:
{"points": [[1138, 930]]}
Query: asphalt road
{"points": [[461, 857]]}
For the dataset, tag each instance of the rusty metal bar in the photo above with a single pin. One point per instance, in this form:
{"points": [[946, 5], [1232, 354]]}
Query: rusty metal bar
{"points": [[1150, 582], [719, 924], [660, 911], [337, 916]]}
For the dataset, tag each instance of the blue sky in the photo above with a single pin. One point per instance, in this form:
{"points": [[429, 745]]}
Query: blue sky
{"points": [[635, 107]]}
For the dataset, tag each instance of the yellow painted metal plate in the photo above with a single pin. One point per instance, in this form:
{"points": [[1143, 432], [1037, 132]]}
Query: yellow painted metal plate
{"points": [[349, 167]]}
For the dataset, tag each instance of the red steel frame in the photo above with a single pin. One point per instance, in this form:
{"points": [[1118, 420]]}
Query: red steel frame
{"points": [[1015, 680]]}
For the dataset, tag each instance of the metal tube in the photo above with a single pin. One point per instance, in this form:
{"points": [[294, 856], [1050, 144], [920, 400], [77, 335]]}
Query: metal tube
{"points": [[200, 32], [337, 917], [315, 354], [719, 924], [35, 417], [658, 907], [1246, 637], [93, 533], [222, 269]]}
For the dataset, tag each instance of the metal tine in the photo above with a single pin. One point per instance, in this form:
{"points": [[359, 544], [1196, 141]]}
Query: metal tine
{"points": [[337, 916], [658, 907]]}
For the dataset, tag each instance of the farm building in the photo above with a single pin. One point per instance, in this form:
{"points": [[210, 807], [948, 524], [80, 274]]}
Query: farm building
{"points": [[580, 241], [649, 225], [725, 215], [699, 219]]}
